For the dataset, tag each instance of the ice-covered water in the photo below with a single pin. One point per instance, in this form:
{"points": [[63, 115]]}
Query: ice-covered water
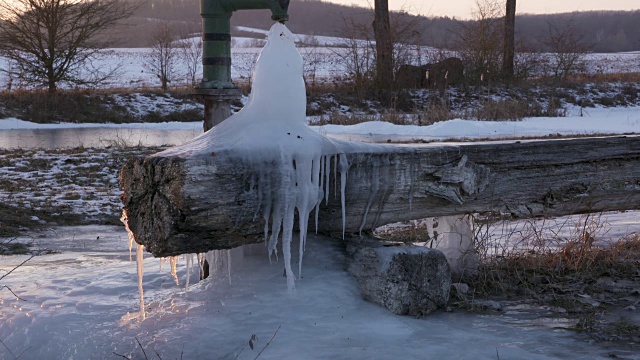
{"points": [[94, 137], [77, 301]]}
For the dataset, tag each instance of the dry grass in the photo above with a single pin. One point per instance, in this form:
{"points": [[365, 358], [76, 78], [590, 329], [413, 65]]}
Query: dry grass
{"points": [[535, 259], [631, 77], [512, 110], [579, 262], [88, 106], [391, 116], [435, 112], [40, 188], [560, 264], [580, 79], [9, 246]]}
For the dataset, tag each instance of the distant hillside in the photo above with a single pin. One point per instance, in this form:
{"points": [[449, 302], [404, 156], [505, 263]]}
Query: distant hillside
{"points": [[607, 31]]}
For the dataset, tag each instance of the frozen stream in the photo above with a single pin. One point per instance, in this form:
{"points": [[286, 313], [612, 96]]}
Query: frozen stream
{"points": [[77, 302], [94, 137]]}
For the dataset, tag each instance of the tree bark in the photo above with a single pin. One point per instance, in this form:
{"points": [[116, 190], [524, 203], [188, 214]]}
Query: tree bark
{"points": [[187, 205], [509, 41], [384, 45]]}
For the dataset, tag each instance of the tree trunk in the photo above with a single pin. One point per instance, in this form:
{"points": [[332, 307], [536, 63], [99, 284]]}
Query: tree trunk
{"points": [[164, 83], [195, 204], [384, 45], [509, 41], [51, 82]]}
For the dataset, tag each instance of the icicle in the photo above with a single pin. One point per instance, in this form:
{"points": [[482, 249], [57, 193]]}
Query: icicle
{"points": [[344, 168], [302, 224], [123, 219], [275, 233], [189, 263], [320, 190], [373, 191], [303, 240], [201, 264], [266, 230], [284, 201], [287, 229], [211, 260], [430, 232], [252, 186], [385, 185], [315, 192], [335, 175], [229, 265], [173, 260], [140, 263], [412, 171], [327, 187]]}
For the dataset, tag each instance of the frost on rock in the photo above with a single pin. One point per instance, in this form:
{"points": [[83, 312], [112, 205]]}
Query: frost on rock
{"points": [[290, 163]]}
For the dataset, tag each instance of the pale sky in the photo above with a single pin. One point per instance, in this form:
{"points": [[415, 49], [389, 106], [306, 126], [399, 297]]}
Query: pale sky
{"points": [[462, 8]]}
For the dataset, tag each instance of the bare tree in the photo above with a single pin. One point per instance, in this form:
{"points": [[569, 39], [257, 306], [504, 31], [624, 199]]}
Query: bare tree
{"points": [[53, 41], [313, 57], [568, 48], [528, 60], [356, 53], [163, 59], [509, 40], [405, 39], [191, 51], [479, 42]]}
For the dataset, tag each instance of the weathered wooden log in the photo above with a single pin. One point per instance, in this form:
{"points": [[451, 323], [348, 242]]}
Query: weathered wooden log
{"points": [[177, 205]]}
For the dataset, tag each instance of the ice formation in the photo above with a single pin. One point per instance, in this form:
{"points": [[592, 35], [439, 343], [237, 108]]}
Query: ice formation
{"points": [[140, 263], [270, 136]]}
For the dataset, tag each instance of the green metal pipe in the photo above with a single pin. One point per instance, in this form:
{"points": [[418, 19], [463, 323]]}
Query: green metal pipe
{"points": [[216, 36]]}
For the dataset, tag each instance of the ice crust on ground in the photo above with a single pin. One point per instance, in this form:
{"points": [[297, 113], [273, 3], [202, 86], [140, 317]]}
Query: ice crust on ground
{"points": [[270, 136], [74, 310]]}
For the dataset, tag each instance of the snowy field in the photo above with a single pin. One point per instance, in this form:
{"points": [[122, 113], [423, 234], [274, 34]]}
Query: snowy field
{"points": [[323, 58], [322, 62], [80, 301]]}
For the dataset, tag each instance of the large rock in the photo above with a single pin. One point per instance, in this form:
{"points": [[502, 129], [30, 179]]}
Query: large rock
{"points": [[406, 279]]}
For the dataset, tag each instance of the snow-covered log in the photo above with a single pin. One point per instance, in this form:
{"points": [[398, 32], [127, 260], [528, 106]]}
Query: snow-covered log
{"points": [[177, 204]]}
